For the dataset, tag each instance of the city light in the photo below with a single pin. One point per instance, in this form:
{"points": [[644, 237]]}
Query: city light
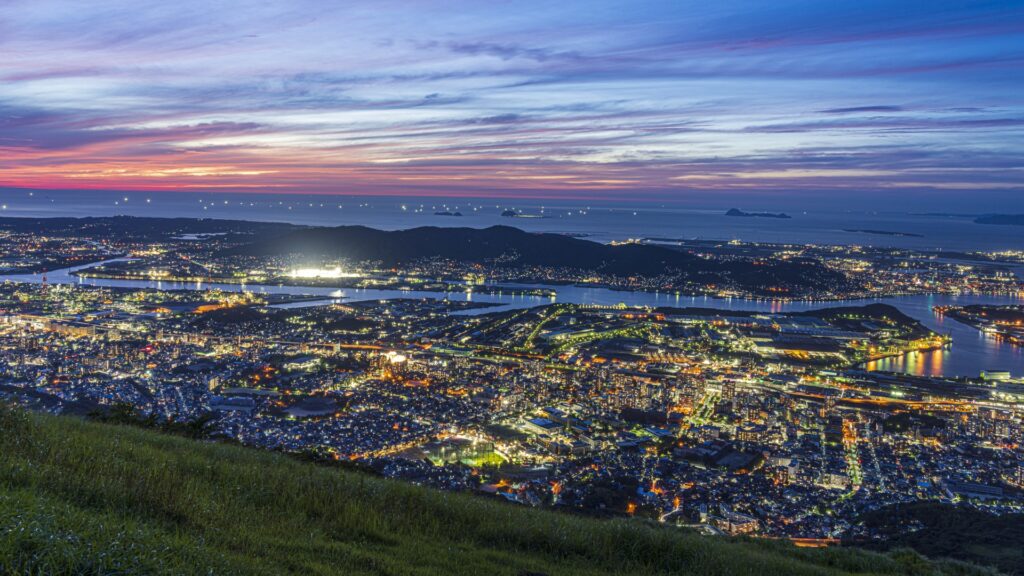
{"points": [[314, 273]]}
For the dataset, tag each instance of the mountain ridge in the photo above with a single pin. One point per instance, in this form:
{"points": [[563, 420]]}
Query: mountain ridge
{"points": [[509, 246]]}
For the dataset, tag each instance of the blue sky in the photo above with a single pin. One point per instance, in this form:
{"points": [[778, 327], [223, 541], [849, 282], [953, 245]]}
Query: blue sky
{"points": [[877, 101]]}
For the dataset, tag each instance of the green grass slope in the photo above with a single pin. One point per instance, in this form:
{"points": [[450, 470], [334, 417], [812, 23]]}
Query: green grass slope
{"points": [[86, 498]]}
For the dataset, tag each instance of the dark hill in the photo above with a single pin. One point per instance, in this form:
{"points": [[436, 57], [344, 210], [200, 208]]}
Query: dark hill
{"points": [[512, 246], [359, 243], [140, 228], [876, 311], [947, 531]]}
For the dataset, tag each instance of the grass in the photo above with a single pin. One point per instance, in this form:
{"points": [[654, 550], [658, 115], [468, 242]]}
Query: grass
{"points": [[81, 497]]}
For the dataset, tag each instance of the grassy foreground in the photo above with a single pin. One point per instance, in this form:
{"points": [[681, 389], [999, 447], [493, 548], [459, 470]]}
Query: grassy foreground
{"points": [[84, 498]]}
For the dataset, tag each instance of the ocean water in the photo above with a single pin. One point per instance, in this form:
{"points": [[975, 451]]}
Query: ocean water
{"points": [[599, 221]]}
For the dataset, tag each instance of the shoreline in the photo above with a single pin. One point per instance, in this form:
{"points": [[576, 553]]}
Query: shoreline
{"points": [[542, 289], [543, 286]]}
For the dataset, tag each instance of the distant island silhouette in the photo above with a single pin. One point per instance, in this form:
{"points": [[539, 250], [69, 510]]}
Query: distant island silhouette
{"points": [[1001, 219], [738, 212], [883, 232]]}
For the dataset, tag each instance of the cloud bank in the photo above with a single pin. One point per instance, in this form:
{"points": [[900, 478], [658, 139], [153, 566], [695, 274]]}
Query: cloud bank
{"points": [[570, 99]]}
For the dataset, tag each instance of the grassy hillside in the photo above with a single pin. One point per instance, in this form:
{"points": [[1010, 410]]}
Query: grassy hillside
{"points": [[87, 498]]}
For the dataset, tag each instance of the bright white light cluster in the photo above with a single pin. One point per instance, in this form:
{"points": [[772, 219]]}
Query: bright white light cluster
{"points": [[335, 272]]}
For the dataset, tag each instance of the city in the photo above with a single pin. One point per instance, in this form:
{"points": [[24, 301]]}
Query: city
{"points": [[530, 288], [733, 422]]}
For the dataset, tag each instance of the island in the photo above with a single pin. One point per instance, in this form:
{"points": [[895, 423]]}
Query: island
{"points": [[514, 214], [741, 213], [883, 232], [1001, 219]]}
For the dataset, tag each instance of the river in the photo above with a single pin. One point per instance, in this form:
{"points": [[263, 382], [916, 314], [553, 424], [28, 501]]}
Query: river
{"points": [[971, 352]]}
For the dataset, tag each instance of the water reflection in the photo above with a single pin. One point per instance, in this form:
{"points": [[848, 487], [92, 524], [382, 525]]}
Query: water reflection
{"points": [[928, 363], [971, 351]]}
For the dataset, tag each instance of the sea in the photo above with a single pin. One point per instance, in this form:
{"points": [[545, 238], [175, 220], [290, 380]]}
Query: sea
{"points": [[602, 221], [970, 353]]}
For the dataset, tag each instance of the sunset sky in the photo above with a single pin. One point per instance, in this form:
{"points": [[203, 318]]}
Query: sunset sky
{"points": [[659, 100]]}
